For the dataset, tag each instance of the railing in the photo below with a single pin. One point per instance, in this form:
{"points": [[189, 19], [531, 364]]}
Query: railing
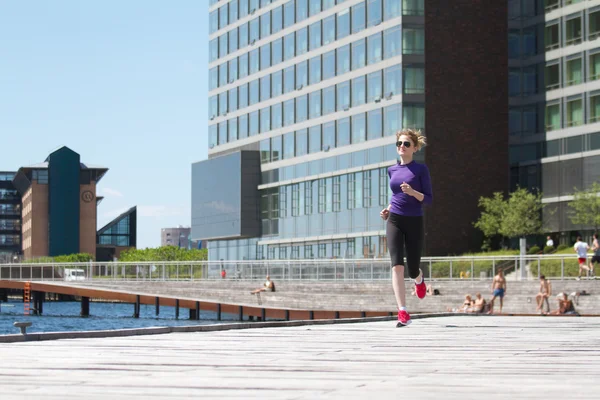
{"points": [[439, 268]]}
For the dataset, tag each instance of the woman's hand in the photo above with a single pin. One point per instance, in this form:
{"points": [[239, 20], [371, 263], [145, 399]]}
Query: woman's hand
{"points": [[385, 213], [407, 189]]}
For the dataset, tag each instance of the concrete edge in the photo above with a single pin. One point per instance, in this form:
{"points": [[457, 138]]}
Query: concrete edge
{"points": [[34, 337]]}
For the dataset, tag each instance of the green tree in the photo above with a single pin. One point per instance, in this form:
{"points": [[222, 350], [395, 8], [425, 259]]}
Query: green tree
{"points": [[522, 214], [491, 217], [585, 207], [165, 253]]}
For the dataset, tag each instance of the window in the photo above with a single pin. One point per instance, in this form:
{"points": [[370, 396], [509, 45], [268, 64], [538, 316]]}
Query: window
{"points": [[223, 16], [289, 79], [314, 140], [374, 124], [414, 80], [282, 200], [214, 21], [213, 135], [329, 135], [243, 126], [308, 251], [392, 81], [351, 204], [243, 65], [373, 12], [343, 132], [553, 121], [233, 40], [288, 145], [358, 91], [233, 103], [413, 41], [314, 69], [574, 72], [343, 24], [265, 25], [314, 7], [233, 70], [329, 65], [277, 51], [391, 42], [265, 88], [301, 41], [301, 10], [243, 35], [337, 201], [265, 56], [301, 75], [327, 4], [573, 27], [315, 35], [595, 108], [328, 102], [301, 108], [374, 54], [276, 116], [214, 49], [367, 195], [574, 112], [529, 42], [383, 187], [289, 14], [413, 116], [301, 142], [594, 25], [391, 9], [594, 66], [412, 7], [276, 148], [343, 96], [391, 119], [329, 30], [343, 59], [289, 46], [254, 87], [223, 132], [308, 204], [254, 30], [213, 107], [529, 80], [277, 19], [295, 200], [314, 101], [359, 18], [295, 253], [222, 74], [277, 83], [359, 57], [254, 61], [213, 78], [359, 128], [336, 246], [288, 113], [243, 96], [551, 37], [321, 195], [374, 89], [254, 126], [265, 120], [552, 76], [322, 250], [223, 103]]}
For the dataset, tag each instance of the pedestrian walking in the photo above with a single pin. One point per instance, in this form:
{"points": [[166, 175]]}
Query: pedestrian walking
{"points": [[581, 248], [411, 188]]}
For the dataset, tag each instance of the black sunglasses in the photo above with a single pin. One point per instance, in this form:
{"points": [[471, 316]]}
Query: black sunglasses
{"points": [[406, 144]]}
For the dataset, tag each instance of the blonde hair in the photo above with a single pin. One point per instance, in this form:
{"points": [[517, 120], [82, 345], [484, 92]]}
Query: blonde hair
{"points": [[415, 136]]}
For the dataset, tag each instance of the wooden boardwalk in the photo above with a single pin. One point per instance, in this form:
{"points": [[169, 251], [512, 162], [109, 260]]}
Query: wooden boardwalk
{"points": [[458, 357]]}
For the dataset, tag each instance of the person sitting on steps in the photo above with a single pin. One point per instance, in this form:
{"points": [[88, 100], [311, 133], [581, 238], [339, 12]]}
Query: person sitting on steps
{"points": [[268, 286]]}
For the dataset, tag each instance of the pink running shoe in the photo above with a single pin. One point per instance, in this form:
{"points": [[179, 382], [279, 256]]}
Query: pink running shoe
{"points": [[403, 319], [421, 288]]}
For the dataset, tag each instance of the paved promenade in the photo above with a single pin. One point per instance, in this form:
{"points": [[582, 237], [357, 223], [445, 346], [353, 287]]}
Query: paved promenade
{"points": [[437, 358]]}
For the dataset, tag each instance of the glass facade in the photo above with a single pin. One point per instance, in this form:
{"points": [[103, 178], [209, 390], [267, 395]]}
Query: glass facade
{"points": [[554, 62], [121, 231], [319, 91]]}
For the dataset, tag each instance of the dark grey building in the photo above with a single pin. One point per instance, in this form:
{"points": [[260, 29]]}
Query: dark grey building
{"points": [[10, 218]]}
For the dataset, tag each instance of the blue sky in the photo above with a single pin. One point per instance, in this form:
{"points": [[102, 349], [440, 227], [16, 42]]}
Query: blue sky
{"points": [[123, 83]]}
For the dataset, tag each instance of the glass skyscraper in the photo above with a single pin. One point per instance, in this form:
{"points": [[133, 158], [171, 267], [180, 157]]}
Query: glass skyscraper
{"points": [[317, 90], [554, 67]]}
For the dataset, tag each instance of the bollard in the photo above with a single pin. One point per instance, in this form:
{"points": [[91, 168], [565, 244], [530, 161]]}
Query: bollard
{"points": [[23, 326]]}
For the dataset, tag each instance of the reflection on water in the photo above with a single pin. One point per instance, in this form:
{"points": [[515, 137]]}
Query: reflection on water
{"points": [[64, 316]]}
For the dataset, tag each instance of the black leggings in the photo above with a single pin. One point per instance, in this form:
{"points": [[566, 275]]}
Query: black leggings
{"points": [[401, 229]]}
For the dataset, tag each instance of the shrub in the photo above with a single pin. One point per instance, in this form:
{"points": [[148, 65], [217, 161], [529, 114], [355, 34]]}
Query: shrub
{"points": [[562, 247], [548, 249], [534, 250]]}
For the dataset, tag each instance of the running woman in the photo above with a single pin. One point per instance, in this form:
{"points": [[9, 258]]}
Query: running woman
{"points": [[411, 188], [581, 249], [596, 256]]}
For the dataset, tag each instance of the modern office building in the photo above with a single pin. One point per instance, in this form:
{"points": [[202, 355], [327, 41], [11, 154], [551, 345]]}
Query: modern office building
{"points": [[555, 103], [10, 218], [118, 235], [179, 237], [50, 209], [305, 99]]}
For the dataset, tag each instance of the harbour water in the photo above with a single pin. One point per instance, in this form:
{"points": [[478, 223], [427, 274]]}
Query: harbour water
{"points": [[64, 316]]}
